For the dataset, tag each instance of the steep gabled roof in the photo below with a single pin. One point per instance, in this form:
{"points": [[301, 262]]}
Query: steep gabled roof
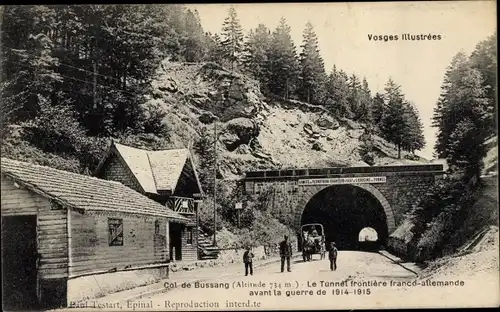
{"points": [[138, 162], [84, 192], [155, 171], [167, 167]]}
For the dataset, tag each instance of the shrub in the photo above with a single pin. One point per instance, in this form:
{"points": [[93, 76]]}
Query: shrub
{"points": [[154, 120], [439, 215]]}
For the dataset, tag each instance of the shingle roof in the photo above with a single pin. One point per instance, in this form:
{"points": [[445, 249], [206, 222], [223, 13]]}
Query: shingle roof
{"points": [[155, 170], [84, 192], [138, 162], [167, 167], [404, 231]]}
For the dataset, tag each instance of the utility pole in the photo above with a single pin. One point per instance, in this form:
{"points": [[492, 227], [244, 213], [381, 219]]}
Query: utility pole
{"points": [[94, 65], [238, 208], [215, 182], [286, 88]]}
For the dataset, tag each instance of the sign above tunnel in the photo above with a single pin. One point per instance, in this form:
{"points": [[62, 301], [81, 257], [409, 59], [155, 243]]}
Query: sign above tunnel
{"points": [[333, 181]]}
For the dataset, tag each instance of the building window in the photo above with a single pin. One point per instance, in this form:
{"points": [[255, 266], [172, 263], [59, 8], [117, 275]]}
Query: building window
{"points": [[157, 227], [189, 240], [115, 232]]}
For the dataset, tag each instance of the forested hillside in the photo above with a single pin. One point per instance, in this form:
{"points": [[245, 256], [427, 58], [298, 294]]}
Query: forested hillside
{"points": [[460, 206], [75, 77]]}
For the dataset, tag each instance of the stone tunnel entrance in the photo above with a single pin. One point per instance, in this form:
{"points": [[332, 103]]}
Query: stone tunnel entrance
{"points": [[345, 210]]}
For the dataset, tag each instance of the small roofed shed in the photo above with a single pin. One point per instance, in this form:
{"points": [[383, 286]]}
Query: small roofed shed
{"points": [[68, 236], [166, 176], [400, 241]]}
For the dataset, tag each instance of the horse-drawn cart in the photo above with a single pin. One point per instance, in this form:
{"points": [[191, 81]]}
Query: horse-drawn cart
{"points": [[312, 241]]}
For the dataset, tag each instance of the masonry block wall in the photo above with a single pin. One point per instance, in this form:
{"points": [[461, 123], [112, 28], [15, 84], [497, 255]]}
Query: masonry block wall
{"points": [[398, 194], [116, 171], [404, 191]]}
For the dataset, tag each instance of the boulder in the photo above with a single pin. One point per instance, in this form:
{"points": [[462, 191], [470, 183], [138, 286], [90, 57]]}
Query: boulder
{"points": [[206, 118], [243, 149], [230, 140], [197, 101], [262, 156], [328, 122], [236, 91], [231, 108], [317, 146], [168, 85], [255, 144], [157, 95], [239, 131], [308, 128], [352, 124]]}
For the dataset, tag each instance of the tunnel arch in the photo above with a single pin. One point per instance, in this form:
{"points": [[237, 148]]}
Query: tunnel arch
{"points": [[378, 204], [368, 233]]}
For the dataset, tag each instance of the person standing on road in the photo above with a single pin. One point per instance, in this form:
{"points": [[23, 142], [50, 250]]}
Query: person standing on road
{"points": [[332, 255], [247, 259], [285, 254]]}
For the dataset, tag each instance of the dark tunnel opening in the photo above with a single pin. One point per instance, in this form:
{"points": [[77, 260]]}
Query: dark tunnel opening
{"points": [[344, 210]]}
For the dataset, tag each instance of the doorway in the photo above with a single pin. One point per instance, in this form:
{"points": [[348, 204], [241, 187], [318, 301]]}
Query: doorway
{"points": [[19, 263], [175, 233]]}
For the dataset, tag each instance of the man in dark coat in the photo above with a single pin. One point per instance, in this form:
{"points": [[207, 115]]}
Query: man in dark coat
{"points": [[332, 255], [247, 259], [285, 254]]}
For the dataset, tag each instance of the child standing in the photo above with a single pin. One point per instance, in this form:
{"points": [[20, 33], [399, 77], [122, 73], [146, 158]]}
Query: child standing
{"points": [[247, 259], [332, 255]]}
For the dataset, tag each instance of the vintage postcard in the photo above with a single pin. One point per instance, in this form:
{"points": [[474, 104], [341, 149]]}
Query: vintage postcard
{"points": [[272, 156]]}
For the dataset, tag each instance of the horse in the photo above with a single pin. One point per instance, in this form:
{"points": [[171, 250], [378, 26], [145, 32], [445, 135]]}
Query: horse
{"points": [[308, 248]]}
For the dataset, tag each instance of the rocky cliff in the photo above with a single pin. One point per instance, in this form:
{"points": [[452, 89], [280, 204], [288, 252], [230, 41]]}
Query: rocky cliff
{"points": [[255, 131]]}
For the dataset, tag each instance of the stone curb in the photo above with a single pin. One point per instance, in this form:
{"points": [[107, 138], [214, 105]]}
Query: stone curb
{"points": [[163, 290], [396, 260]]}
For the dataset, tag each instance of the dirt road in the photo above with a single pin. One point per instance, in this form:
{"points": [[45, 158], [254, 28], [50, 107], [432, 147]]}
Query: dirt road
{"points": [[362, 280]]}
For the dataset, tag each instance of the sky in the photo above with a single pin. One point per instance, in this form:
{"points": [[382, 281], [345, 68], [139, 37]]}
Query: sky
{"points": [[343, 28]]}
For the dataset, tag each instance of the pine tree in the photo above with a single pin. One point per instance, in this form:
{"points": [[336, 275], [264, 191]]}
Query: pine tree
{"points": [[484, 59], [173, 16], [355, 97], [29, 70], [463, 101], [312, 78], [394, 126], [215, 50], [233, 38], [365, 109], [465, 149], [337, 93], [378, 109], [256, 48], [193, 45], [282, 64], [68, 47], [414, 139]]}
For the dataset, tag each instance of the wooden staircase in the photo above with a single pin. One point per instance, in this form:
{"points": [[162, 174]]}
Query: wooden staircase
{"points": [[206, 250]]}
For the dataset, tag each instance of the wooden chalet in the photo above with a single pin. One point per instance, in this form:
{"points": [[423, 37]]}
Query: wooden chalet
{"points": [[167, 176], [66, 236]]}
